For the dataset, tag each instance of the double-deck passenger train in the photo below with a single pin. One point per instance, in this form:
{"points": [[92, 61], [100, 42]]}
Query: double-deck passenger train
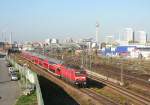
{"points": [[71, 73]]}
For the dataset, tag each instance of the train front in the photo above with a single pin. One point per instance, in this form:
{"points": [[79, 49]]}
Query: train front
{"points": [[80, 77]]}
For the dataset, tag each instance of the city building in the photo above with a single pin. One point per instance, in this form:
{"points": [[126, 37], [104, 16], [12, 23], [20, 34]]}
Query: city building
{"points": [[128, 35], [51, 41], [68, 40], [5, 46], [47, 41], [54, 41], [27, 46], [109, 39], [141, 37]]}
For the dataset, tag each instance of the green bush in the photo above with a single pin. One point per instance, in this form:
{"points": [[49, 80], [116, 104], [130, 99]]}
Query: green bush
{"points": [[27, 100]]}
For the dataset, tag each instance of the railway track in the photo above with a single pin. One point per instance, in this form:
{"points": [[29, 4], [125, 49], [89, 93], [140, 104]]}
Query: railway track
{"points": [[138, 99], [116, 71], [127, 77], [101, 98]]}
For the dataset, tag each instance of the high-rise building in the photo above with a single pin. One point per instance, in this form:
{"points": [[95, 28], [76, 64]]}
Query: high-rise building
{"points": [[51, 41], [141, 36], [68, 40], [47, 41], [10, 40], [109, 39], [97, 32], [128, 34]]}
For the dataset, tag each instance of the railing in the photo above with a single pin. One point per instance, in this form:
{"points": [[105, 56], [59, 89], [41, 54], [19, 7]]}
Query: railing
{"points": [[38, 92]]}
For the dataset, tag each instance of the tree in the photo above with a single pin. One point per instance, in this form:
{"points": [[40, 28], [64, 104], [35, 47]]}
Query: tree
{"points": [[131, 41], [103, 44]]}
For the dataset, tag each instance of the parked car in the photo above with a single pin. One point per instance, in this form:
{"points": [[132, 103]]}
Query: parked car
{"points": [[12, 70], [14, 76]]}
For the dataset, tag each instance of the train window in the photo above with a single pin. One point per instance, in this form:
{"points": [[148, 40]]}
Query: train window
{"points": [[78, 74], [83, 72], [41, 59]]}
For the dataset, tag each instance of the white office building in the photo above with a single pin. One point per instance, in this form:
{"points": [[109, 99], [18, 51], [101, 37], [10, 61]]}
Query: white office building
{"points": [[128, 34], [51, 41], [109, 39], [47, 41], [141, 37]]}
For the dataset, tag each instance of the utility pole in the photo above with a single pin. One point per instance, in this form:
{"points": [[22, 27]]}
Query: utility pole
{"points": [[90, 62], [90, 57], [107, 64], [122, 81], [82, 58], [146, 37], [87, 58]]}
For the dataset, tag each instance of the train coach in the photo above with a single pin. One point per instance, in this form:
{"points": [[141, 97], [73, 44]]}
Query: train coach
{"points": [[70, 73]]}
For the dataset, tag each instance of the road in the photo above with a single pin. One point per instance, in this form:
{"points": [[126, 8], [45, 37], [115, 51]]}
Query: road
{"points": [[9, 90]]}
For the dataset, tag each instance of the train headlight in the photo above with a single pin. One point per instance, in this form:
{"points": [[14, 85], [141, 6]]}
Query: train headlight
{"points": [[76, 83], [84, 83]]}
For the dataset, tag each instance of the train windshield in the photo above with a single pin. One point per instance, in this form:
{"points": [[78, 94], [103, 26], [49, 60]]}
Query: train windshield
{"points": [[80, 73]]}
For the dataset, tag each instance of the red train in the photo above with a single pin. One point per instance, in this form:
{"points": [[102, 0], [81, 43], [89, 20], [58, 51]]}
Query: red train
{"points": [[71, 73]]}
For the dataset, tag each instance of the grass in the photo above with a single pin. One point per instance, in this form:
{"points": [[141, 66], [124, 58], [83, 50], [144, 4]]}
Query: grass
{"points": [[112, 96], [27, 100]]}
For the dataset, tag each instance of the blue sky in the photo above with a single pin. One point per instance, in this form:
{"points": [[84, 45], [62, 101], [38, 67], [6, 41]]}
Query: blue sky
{"points": [[40, 19]]}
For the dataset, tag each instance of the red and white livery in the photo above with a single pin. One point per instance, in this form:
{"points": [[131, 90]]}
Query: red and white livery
{"points": [[70, 73]]}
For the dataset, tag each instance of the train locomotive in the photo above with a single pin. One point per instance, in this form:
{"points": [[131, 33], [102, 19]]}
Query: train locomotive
{"points": [[73, 74]]}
